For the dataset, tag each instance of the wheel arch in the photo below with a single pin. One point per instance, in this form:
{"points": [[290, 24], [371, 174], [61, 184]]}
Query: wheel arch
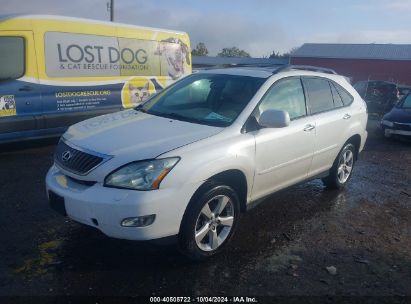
{"points": [[234, 178], [356, 141]]}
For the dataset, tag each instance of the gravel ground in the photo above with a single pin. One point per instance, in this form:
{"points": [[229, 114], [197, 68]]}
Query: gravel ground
{"points": [[305, 240]]}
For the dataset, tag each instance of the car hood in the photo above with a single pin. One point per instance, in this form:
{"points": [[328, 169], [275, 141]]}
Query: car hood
{"points": [[401, 115], [142, 135]]}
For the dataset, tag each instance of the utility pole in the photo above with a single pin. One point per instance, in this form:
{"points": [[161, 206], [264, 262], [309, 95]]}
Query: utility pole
{"points": [[110, 8]]}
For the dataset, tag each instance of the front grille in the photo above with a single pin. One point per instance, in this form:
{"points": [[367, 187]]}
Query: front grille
{"points": [[404, 127], [74, 160]]}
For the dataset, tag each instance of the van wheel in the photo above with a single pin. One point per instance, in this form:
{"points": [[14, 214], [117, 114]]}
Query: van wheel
{"points": [[209, 221], [341, 170]]}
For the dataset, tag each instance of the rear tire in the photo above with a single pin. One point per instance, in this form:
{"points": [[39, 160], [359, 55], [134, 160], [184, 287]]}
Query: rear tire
{"points": [[341, 170], [209, 222]]}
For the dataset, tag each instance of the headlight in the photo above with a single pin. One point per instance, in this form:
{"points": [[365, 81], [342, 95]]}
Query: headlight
{"points": [[144, 175], [387, 123]]}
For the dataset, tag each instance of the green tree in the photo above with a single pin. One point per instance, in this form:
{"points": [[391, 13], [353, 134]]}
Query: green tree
{"points": [[233, 52], [200, 50], [275, 54], [290, 52]]}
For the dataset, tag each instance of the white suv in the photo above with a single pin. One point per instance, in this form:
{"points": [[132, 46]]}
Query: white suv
{"points": [[193, 157]]}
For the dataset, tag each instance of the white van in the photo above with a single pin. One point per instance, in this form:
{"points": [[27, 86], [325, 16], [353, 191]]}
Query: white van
{"points": [[56, 71]]}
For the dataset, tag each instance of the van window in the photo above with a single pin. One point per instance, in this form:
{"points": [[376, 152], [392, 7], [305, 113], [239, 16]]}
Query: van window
{"points": [[11, 57], [286, 95], [319, 94]]}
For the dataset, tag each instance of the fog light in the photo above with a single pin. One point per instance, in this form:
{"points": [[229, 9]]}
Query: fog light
{"points": [[140, 221]]}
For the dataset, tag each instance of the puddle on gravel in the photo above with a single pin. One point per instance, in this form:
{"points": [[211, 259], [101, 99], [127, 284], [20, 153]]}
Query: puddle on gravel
{"points": [[38, 265]]}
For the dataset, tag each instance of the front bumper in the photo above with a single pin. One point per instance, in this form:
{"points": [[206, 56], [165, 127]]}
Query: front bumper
{"points": [[109, 206], [395, 128], [388, 132]]}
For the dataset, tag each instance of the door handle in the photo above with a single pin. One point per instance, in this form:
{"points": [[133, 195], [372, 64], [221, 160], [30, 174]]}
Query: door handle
{"points": [[309, 128], [347, 116], [26, 88]]}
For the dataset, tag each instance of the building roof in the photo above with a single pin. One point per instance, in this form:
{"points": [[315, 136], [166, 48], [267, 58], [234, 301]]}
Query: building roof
{"points": [[355, 51], [215, 61]]}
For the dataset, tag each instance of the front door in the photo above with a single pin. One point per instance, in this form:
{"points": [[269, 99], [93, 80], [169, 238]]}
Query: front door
{"points": [[283, 155]]}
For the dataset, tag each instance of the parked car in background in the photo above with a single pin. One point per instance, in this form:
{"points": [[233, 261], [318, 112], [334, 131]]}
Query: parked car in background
{"points": [[380, 96], [191, 158], [398, 120], [403, 90], [56, 71]]}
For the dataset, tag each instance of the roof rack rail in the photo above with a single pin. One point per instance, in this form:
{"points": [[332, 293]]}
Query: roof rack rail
{"points": [[291, 67]]}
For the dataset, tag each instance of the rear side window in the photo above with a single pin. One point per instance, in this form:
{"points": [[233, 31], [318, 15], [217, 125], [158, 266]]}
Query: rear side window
{"points": [[286, 95], [11, 57], [345, 96], [319, 94], [338, 102]]}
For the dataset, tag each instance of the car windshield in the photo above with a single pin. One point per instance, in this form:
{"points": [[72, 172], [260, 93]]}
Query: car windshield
{"points": [[204, 98], [407, 102]]}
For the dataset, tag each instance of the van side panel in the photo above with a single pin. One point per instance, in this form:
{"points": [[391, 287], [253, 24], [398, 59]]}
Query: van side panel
{"points": [[89, 68]]}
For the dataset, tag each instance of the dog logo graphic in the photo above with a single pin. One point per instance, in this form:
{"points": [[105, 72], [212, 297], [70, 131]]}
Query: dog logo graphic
{"points": [[177, 55]]}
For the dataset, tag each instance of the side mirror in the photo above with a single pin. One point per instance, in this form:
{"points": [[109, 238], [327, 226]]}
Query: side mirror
{"points": [[274, 119]]}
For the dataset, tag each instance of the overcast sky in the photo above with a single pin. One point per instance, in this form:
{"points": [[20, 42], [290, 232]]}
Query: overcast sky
{"points": [[257, 26]]}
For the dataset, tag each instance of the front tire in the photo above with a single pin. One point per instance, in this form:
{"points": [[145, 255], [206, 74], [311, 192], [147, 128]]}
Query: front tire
{"points": [[209, 222], [341, 170]]}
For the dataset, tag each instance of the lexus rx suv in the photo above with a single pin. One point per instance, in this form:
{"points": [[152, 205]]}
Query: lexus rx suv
{"points": [[189, 160]]}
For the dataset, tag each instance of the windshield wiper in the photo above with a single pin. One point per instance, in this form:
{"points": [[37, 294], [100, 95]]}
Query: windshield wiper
{"points": [[177, 116], [140, 108], [182, 117]]}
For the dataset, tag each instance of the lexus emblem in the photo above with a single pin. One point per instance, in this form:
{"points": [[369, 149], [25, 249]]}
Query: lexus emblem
{"points": [[66, 156]]}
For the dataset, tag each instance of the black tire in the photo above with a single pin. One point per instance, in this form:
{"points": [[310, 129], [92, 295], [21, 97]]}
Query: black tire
{"points": [[186, 238], [333, 181]]}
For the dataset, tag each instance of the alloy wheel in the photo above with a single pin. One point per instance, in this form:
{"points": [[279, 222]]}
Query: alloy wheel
{"points": [[345, 166], [214, 223]]}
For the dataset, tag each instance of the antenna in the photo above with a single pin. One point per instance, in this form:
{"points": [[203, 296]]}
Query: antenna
{"points": [[110, 8]]}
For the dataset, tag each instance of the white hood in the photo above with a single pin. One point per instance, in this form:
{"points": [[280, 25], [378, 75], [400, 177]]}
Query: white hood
{"points": [[132, 132]]}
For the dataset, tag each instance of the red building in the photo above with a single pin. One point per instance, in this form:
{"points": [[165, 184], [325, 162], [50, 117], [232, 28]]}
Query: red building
{"points": [[390, 62]]}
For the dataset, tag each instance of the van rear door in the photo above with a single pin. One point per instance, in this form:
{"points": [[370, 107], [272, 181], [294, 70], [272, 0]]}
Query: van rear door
{"points": [[20, 103]]}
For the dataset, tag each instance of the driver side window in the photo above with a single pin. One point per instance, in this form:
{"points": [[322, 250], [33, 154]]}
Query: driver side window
{"points": [[286, 95]]}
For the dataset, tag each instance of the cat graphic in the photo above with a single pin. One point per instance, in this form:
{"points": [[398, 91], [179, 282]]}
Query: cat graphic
{"points": [[138, 94]]}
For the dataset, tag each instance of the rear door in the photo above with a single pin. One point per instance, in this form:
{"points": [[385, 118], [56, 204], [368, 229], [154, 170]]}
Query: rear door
{"points": [[20, 103], [332, 119]]}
